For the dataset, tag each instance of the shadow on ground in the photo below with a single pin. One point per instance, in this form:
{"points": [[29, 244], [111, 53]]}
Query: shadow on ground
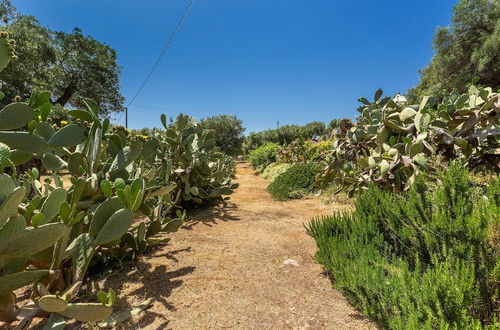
{"points": [[209, 216], [149, 281]]}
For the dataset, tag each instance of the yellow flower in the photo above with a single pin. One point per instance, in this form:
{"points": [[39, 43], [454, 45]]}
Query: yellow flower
{"points": [[39, 117], [129, 131], [64, 122]]}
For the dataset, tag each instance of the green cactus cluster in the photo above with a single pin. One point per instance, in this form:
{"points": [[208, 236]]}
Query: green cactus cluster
{"points": [[98, 178], [393, 140]]}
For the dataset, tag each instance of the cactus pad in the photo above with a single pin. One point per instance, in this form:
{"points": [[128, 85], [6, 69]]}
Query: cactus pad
{"points": [[68, 136], [39, 238], [15, 115], [115, 227], [23, 141], [87, 312], [52, 304]]}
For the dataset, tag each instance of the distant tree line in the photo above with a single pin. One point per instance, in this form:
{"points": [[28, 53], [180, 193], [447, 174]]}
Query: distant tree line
{"points": [[283, 135]]}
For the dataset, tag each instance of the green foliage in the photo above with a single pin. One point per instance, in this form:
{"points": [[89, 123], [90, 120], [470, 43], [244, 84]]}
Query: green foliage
{"points": [[72, 66], [423, 260], [394, 140], [228, 132], [304, 151], [283, 135], [85, 218], [272, 171], [296, 181], [188, 158], [261, 157], [469, 48]]}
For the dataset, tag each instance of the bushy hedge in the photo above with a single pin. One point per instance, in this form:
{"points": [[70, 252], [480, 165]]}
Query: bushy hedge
{"points": [[298, 180], [263, 156], [274, 170], [425, 260]]}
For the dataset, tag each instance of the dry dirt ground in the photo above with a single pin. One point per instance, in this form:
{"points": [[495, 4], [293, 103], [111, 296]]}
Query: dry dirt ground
{"points": [[225, 269]]}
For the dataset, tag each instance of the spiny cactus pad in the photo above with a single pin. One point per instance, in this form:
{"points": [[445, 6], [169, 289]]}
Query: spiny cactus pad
{"points": [[15, 281], [68, 136], [52, 304], [7, 52], [87, 312], [23, 141], [115, 227], [39, 238], [15, 115]]}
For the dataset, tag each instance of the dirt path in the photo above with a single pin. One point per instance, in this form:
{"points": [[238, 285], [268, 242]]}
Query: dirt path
{"points": [[226, 269]]}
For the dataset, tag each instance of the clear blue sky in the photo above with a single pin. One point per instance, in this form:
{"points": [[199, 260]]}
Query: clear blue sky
{"points": [[263, 60]]}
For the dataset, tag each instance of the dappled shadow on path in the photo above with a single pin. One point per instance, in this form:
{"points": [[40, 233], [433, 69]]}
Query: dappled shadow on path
{"points": [[149, 280], [209, 216]]}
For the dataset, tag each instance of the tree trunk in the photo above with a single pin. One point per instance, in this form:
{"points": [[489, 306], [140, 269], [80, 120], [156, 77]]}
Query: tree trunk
{"points": [[67, 94]]}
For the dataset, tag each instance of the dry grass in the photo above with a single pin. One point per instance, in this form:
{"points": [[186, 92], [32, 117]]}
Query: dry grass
{"points": [[225, 269]]}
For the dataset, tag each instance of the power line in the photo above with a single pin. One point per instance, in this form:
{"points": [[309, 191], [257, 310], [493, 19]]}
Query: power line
{"points": [[179, 110], [155, 65]]}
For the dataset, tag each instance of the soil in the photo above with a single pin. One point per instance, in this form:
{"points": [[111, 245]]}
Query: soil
{"points": [[246, 265]]}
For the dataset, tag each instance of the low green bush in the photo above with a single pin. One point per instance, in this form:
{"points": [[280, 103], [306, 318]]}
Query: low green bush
{"points": [[423, 260], [261, 157], [272, 171], [296, 181]]}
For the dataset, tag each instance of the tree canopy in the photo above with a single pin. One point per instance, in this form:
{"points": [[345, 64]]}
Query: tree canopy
{"points": [[468, 48], [72, 66], [228, 132]]}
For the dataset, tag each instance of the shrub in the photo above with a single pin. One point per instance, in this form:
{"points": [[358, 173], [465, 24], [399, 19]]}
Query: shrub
{"points": [[298, 180], [261, 157], [274, 170], [424, 260]]}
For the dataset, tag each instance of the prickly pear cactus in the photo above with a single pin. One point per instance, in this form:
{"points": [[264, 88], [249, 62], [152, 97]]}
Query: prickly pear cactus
{"points": [[7, 51], [394, 140], [72, 220]]}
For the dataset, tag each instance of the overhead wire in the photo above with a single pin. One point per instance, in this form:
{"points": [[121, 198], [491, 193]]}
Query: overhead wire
{"points": [[157, 62], [178, 110]]}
